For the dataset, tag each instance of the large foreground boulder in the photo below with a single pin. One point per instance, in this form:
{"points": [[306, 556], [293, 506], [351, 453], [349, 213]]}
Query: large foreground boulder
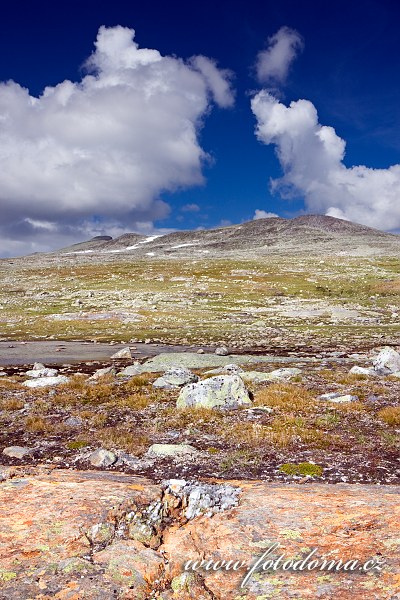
{"points": [[222, 391]]}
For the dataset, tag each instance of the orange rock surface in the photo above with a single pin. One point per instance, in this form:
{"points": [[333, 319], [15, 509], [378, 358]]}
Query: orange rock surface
{"points": [[62, 536]]}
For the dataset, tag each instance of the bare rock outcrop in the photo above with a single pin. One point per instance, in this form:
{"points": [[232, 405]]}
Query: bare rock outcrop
{"points": [[99, 535]]}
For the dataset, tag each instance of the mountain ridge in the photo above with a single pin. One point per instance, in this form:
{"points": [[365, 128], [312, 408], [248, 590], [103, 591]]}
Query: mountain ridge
{"points": [[306, 233]]}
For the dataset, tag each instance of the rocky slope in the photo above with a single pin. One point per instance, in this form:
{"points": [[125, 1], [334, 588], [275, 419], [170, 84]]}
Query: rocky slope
{"points": [[308, 233]]}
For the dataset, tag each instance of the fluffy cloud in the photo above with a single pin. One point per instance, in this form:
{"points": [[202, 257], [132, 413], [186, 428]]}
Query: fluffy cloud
{"points": [[273, 63], [311, 156], [262, 214], [106, 146]]}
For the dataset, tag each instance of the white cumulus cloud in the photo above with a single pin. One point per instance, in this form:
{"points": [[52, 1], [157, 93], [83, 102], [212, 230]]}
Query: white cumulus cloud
{"points": [[311, 156], [273, 63], [104, 148], [263, 214]]}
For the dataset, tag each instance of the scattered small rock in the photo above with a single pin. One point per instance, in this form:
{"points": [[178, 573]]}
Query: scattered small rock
{"points": [[203, 498], [231, 369]]}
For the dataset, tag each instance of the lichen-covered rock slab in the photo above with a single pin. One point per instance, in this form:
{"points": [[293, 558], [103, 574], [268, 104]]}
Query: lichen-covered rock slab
{"points": [[222, 391]]}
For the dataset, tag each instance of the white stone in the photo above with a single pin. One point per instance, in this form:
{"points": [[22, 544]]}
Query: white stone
{"points": [[222, 351], [362, 371], [37, 366], [338, 398], [45, 381], [45, 372]]}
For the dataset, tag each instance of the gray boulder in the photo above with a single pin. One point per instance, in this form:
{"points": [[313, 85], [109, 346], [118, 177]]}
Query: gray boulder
{"points": [[222, 351], [102, 458], [131, 370], [102, 372], [362, 371], [203, 498], [17, 451], [387, 361], [222, 391], [175, 377]]}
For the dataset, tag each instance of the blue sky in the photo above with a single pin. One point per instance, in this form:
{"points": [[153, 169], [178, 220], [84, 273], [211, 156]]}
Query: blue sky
{"points": [[347, 69]]}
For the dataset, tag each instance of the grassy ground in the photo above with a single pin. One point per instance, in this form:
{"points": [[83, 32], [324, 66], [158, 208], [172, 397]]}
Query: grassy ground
{"points": [[238, 302]]}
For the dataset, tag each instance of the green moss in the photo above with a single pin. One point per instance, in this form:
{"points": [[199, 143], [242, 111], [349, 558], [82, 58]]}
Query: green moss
{"points": [[76, 445], [7, 575], [302, 469]]}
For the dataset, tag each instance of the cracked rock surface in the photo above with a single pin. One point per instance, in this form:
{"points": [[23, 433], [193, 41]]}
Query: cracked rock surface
{"points": [[99, 535]]}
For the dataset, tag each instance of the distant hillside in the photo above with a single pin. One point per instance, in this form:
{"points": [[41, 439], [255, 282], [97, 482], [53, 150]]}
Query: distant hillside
{"points": [[306, 234]]}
